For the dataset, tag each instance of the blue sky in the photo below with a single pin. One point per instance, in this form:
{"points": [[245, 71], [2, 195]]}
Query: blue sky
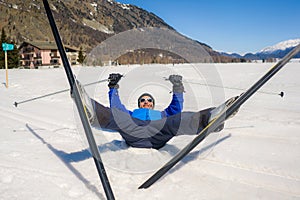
{"points": [[238, 26]]}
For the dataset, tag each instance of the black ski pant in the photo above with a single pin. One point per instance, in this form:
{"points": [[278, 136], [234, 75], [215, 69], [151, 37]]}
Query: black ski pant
{"points": [[149, 134]]}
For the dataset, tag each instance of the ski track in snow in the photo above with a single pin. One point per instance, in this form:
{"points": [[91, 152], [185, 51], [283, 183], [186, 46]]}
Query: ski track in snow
{"points": [[256, 156], [30, 119]]}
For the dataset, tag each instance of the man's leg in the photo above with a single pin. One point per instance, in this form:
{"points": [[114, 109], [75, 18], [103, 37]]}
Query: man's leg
{"points": [[103, 116], [185, 123]]}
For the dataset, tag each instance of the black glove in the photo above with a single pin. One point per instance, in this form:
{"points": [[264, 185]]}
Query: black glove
{"points": [[113, 80], [176, 80]]}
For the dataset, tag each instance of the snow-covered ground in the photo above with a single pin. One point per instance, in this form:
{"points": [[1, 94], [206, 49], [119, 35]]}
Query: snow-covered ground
{"points": [[257, 156]]}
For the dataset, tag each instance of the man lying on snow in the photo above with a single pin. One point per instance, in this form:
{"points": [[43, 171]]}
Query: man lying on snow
{"points": [[145, 127]]}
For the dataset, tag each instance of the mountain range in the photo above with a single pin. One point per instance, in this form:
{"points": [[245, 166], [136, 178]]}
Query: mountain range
{"points": [[81, 23], [278, 50], [87, 23]]}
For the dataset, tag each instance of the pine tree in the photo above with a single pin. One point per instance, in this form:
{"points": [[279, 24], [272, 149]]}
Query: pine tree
{"points": [[13, 58], [2, 40], [81, 57]]}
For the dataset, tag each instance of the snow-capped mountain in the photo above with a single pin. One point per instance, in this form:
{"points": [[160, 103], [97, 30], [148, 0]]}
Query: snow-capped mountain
{"points": [[281, 46], [278, 50]]}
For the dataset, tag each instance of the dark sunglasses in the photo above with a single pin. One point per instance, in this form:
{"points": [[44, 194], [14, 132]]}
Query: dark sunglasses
{"points": [[148, 99]]}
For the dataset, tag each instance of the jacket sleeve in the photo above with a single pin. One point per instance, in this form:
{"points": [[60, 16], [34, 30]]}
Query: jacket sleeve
{"points": [[175, 106], [115, 102]]}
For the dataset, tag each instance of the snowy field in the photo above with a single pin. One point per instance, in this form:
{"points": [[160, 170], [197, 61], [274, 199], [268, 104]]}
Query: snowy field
{"points": [[257, 156]]}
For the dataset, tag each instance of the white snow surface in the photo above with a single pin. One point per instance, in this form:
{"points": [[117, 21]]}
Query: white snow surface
{"points": [[282, 45], [44, 154]]}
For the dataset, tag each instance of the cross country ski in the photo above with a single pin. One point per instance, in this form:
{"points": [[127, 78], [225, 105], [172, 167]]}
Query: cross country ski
{"points": [[78, 101], [220, 119]]}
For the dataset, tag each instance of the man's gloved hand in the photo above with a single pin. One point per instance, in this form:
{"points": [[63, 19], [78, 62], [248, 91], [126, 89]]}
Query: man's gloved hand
{"points": [[176, 80], [113, 80]]}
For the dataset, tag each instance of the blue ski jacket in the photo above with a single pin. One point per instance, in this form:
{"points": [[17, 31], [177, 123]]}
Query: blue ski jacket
{"points": [[174, 107]]}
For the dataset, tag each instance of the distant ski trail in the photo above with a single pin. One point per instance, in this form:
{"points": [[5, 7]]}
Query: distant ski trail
{"points": [[260, 170]]}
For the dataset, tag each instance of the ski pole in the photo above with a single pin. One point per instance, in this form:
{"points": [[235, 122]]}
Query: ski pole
{"points": [[80, 108], [39, 97], [281, 94], [53, 93]]}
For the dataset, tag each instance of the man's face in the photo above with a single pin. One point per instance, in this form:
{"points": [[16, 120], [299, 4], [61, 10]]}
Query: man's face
{"points": [[146, 102]]}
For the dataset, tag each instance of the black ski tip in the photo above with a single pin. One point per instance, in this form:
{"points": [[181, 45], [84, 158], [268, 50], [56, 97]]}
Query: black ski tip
{"points": [[147, 183], [16, 104], [281, 94], [143, 186]]}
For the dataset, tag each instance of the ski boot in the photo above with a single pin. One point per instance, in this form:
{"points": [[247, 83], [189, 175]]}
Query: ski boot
{"points": [[218, 110]]}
